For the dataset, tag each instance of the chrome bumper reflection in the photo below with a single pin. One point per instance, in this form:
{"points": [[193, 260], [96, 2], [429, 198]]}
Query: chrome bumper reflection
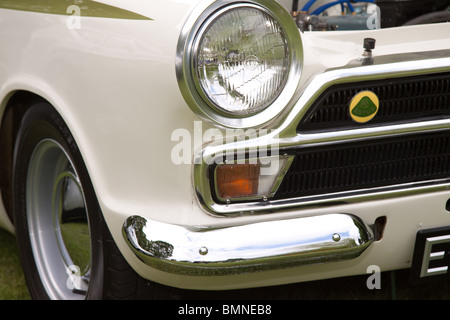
{"points": [[246, 248]]}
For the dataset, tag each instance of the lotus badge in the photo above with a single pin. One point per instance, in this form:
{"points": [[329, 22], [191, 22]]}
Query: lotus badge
{"points": [[364, 106]]}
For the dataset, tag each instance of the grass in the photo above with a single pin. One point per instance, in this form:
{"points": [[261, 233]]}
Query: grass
{"points": [[12, 280], [394, 285]]}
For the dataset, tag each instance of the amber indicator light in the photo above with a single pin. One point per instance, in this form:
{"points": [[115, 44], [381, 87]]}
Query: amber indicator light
{"points": [[237, 180]]}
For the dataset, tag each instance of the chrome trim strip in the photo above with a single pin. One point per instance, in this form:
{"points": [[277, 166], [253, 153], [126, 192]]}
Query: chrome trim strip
{"points": [[326, 200], [286, 136], [262, 246]]}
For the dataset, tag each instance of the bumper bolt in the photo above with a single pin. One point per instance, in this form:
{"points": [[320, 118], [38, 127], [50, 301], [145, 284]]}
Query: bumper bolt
{"points": [[203, 251], [336, 237]]}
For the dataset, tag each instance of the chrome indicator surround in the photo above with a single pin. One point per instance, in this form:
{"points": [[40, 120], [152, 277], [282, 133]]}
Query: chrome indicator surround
{"points": [[262, 246], [287, 138], [286, 163], [186, 49]]}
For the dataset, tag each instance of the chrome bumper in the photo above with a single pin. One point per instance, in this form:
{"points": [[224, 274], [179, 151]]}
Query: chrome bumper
{"points": [[246, 248]]}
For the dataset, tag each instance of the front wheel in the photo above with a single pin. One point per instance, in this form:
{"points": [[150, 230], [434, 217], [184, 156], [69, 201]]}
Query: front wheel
{"points": [[65, 247]]}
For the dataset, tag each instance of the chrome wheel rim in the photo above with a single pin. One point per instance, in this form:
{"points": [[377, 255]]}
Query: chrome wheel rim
{"points": [[58, 222]]}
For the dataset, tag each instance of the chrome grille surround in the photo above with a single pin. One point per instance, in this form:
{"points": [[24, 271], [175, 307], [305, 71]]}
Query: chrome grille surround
{"points": [[290, 140], [402, 100]]}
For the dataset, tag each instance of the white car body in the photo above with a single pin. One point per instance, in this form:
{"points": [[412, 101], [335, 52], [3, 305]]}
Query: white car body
{"points": [[114, 82]]}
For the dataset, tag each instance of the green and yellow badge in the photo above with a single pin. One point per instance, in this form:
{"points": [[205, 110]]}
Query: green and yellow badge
{"points": [[364, 106]]}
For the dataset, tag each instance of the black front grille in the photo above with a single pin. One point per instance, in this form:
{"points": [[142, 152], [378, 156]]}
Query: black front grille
{"points": [[406, 99], [367, 165]]}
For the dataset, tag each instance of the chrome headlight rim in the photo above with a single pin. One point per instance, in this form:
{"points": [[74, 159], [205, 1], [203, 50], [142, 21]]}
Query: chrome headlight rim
{"points": [[186, 51]]}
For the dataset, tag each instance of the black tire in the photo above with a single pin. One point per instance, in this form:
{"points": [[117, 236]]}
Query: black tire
{"points": [[50, 182]]}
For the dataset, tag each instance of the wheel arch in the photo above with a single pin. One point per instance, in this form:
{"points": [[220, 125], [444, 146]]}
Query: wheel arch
{"points": [[14, 107]]}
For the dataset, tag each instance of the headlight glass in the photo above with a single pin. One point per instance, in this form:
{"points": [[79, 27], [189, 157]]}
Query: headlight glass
{"points": [[241, 63]]}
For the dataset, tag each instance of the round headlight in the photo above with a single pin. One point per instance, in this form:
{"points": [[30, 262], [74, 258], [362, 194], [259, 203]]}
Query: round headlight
{"points": [[241, 63]]}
